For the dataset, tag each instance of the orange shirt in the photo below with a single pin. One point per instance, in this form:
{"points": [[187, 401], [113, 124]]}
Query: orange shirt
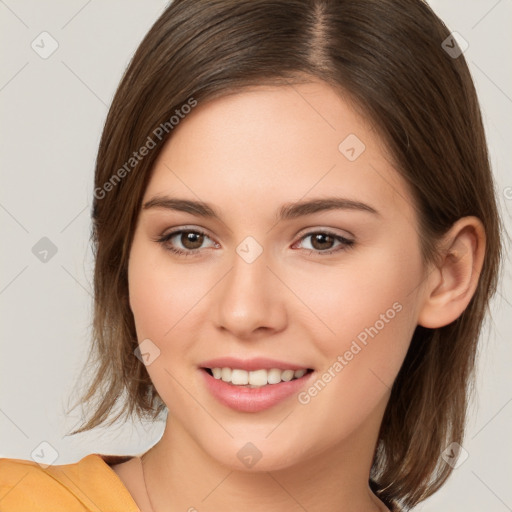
{"points": [[89, 485]]}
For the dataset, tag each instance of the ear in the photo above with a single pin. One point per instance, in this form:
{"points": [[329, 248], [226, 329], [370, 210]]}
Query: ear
{"points": [[451, 285]]}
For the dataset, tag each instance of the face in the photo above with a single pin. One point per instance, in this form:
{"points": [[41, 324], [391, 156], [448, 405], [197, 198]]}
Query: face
{"points": [[257, 280]]}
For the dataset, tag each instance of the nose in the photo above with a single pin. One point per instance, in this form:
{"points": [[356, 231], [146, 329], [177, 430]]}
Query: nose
{"points": [[250, 299]]}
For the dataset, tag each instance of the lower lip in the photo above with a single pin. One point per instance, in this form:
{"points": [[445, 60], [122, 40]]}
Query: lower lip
{"points": [[253, 399]]}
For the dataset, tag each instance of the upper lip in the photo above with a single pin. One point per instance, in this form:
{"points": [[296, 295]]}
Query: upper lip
{"points": [[257, 363]]}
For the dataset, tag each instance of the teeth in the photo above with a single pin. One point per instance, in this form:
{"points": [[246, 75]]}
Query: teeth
{"points": [[287, 375], [274, 376], [239, 377], [256, 378], [226, 374]]}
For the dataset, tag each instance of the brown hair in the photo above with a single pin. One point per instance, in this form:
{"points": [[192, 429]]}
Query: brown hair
{"points": [[386, 56]]}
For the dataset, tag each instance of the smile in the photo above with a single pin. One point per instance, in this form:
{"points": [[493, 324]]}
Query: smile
{"points": [[255, 378], [253, 385]]}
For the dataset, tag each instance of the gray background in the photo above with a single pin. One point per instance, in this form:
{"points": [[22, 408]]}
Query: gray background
{"points": [[53, 111]]}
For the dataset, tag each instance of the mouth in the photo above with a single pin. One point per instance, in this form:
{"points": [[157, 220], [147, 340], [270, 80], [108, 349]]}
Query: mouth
{"points": [[255, 384], [257, 378], [254, 390]]}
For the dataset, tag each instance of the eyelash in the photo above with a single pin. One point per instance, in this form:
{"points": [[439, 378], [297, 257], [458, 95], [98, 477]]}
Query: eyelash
{"points": [[346, 243]]}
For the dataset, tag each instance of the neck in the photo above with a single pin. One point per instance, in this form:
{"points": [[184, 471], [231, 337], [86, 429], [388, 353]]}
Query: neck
{"points": [[180, 476]]}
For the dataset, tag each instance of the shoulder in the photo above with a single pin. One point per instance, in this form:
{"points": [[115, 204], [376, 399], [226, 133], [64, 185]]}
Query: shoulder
{"points": [[87, 485]]}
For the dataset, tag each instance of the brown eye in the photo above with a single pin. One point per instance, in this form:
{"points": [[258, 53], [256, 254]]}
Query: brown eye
{"points": [[185, 242], [322, 241], [191, 239]]}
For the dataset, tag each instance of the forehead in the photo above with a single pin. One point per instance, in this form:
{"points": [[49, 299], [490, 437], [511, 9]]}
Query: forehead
{"points": [[280, 143]]}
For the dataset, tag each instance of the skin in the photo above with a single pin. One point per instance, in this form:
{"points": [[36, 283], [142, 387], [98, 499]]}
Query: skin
{"points": [[247, 154]]}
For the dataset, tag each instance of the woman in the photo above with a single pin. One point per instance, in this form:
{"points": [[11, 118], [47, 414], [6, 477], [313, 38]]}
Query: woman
{"points": [[296, 243]]}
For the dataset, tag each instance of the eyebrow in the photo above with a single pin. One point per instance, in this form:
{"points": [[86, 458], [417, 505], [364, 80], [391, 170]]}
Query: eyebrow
{"points": [[286, 212]]}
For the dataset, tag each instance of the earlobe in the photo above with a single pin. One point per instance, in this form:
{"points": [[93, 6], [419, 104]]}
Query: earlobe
{"points": [[451, 285]]}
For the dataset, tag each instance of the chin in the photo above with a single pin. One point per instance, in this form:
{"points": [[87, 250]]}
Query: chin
{"points": [[258, 454]]}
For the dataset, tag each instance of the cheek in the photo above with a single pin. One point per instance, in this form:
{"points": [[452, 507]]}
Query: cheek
{"points": [[162, 302], [160, 295], [347, 297], [370, 308]]}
